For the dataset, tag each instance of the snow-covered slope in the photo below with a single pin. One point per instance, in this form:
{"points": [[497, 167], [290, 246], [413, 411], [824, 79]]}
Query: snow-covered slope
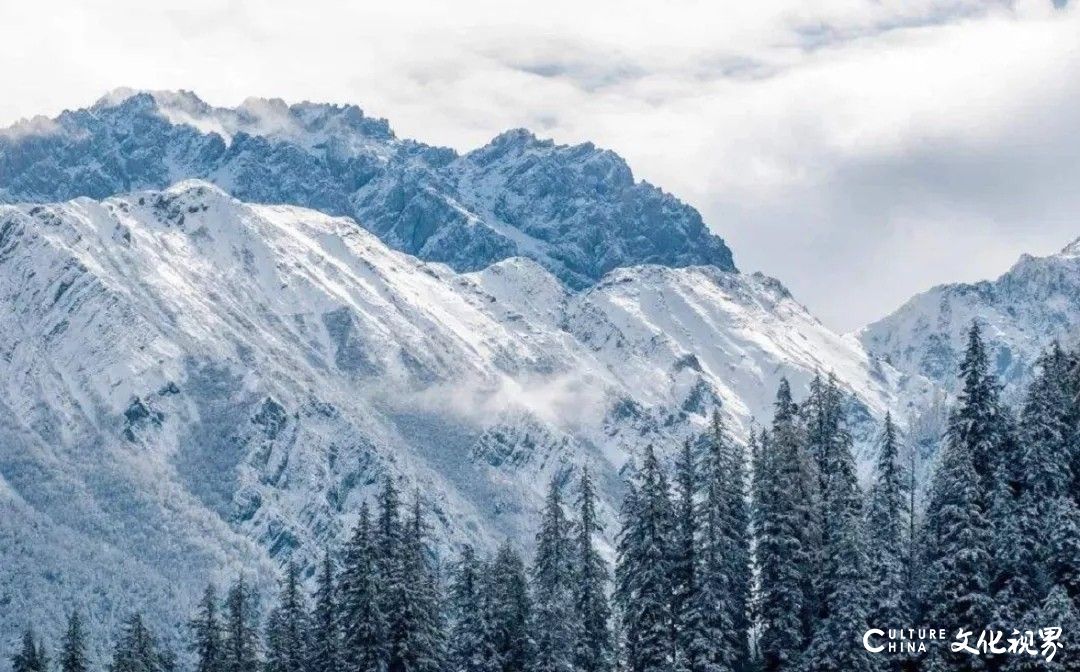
{"points": [[190, 384], [1022, 312], [576, 210]]}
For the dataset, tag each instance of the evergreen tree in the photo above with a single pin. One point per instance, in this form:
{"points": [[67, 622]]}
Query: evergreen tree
{"points": [[886, 562], [836, 644], [976, 424], [553, 606], [206, 634], [821, 415], [593, 644], [782, 555], [955, 530], [690, 643], [1013, 580], [391, 580], [1046, 431], [957, 559], [73, 648], [471, 643], [325, 636], [724, 577], [31, 657], [136, 650], [414, 618], [1062, 527], [509, 608], [644, 585], [241, 641], [1044, 517], [287, 627], [362, 620]]}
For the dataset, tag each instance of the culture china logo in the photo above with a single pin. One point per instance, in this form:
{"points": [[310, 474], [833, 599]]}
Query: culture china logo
{"points": [[1043, 642]]}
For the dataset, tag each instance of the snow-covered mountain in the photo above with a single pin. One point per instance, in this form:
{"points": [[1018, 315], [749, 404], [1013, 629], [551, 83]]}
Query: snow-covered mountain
{"points": [[190, 384], [1022, 312], [576, 210]]}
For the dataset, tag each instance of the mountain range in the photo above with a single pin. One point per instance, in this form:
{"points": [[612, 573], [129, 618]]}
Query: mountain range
{"points": [[221, 327]]}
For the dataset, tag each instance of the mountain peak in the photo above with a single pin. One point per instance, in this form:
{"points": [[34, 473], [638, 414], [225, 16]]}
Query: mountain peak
{"points": [[575, 209]]}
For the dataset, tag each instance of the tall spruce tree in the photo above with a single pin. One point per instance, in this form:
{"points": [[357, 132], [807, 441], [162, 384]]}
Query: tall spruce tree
{"points": [[691, 646], [31, 656], [783, 559], [836, 643], [471, 641], [1046, 513], [821, 415], [724, 573], [644, 583], [593, 647], [1046, 429], [363, 623], [206, 634], [886, 534], [509, 610], [415, 639], [553, 600], [241, 642], [977, 423], [73, 646], [287, 629], [136, 649], [955, 535], [325, 622]]}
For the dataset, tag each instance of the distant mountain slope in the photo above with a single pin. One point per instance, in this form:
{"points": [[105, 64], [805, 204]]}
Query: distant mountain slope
{"points": [[1023, 311], [190, 384], [576, 210]]}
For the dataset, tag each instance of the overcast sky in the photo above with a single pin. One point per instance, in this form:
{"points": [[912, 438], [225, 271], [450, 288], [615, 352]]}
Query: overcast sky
{"points": [[859, 151]]}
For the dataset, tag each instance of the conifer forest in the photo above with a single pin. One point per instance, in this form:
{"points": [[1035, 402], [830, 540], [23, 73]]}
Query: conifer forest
{"points": [[761, 552]]}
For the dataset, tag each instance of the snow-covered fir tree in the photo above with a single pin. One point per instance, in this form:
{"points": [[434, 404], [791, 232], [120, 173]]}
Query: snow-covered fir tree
{"points": [[685, 615], [241, 640], [471, 642], [508, 610], [886, 534], [836, 645], [956, 536], [782, 556], [206, 633], [821, 416], [553, 600], [287, 631], [415, 638], [325, 635], [73, 646], [363, 624], [644, 581], [725, 578], [977, 422], [136, 649], [31, 656], [593, 648]]}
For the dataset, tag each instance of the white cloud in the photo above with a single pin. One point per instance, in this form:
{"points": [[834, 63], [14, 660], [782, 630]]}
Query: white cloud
{"points": [[859, 151]]}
